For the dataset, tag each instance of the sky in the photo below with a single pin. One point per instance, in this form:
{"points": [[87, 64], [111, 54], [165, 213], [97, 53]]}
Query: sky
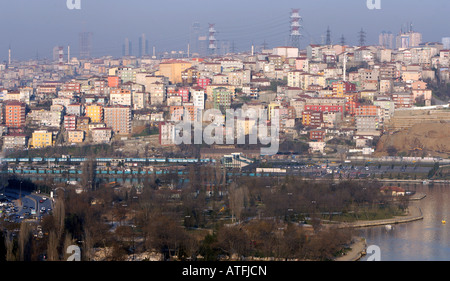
{"points": [[33, 28]]}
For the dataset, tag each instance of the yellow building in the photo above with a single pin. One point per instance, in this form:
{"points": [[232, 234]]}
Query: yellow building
{"points": [[95, 113], [173, 69], [76, 136], [271, 109], [41, 139]]}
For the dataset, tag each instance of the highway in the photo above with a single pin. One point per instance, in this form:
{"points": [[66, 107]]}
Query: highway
{"points": [[30, 206]]}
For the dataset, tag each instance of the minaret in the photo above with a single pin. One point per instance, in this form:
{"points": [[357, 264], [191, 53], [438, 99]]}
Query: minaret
{"points": [[9, 56], [68, 54]]}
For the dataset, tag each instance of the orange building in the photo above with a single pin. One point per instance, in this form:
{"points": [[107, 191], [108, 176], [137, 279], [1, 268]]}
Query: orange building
{"points": [[113, 81], [179, 111], [367, 110], [15, 114]]}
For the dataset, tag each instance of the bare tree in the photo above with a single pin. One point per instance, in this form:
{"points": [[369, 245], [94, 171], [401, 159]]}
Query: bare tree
{"points": [[9, 243], [59, 213], [238, 197], [25, 235], [88, 177], [234, 241], [68, 241], [52, 246]]}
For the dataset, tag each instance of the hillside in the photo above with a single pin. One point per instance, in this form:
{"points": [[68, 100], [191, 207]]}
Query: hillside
{"points": [[426, 139]]}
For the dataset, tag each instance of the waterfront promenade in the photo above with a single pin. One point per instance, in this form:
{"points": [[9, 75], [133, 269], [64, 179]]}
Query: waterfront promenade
{"points": [[358, 246]]}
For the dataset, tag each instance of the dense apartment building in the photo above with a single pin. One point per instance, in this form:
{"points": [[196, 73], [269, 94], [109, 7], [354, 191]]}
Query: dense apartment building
{"points": [[94, 112], [222, 98], [75, 136], [340, 88], [70, 122], [15, 114], [15, 141], [118, 118], [101, 135], [120, 97], [41, 138]]}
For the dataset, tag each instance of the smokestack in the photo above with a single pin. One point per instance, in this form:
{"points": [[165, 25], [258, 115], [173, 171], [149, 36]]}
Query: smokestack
{"points": [[253, 50]]}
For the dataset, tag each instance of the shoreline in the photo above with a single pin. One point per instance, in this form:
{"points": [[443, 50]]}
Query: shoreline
{"points": [[358, 247], [357, 250]]}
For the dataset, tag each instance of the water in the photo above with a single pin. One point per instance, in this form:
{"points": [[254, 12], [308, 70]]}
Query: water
{"points": [[423, 240]]}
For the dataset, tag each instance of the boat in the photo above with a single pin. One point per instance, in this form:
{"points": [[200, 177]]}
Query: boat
{"points": [[388, 227], [425, 182], [443, 221]]}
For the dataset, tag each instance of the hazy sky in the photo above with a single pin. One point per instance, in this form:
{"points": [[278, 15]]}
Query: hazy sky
{"points": [[35, 27]]}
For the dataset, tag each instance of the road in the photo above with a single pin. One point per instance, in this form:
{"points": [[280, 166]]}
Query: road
{"points": [[30, 203]]}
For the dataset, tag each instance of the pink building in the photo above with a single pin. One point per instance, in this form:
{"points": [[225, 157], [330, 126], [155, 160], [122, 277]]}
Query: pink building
{"points": [[203, 82], [184, 94]]}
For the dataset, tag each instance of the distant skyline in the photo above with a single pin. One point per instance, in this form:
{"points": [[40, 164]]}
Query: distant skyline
{"points": [[33, 28]]}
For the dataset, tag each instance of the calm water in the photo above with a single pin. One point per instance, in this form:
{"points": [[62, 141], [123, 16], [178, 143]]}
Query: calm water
{"points": [[424, 240]]}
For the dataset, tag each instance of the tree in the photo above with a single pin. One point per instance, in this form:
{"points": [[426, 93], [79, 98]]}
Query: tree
{"points": [[24, 239], [392, 151], [52, 246], [233, 240], [59, 214], [9, 243], [237, 197], [88, 175], [2, 247]]}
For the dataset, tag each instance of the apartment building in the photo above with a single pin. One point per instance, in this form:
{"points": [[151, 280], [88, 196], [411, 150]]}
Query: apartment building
{"points": [[75, 136], [222, 98], [14, 141], [15, 114], [120, 97], [118, 118], [101, 135], [70, 122], [94, 112], [41, 139]]}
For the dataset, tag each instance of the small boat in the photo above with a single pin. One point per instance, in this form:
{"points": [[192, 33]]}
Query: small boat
{"points": [[443, 221], [388, 227]]}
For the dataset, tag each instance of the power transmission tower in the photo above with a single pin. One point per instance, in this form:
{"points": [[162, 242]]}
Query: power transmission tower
{"points": [[328, 36], [295, 28], [342, 40], [362, 38], [264, 45], [233, 48]]}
